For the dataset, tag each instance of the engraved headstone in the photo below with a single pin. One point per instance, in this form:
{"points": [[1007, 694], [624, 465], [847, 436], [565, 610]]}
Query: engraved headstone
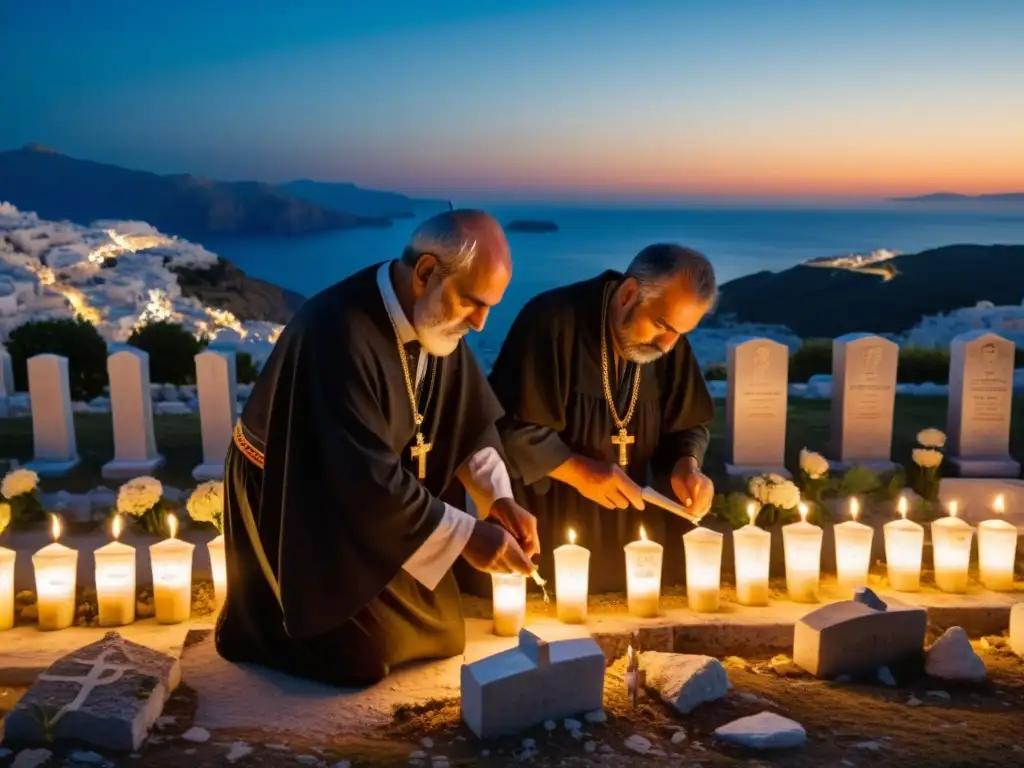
{"points": [[6, 382], [107, 694], [132, 411], [758, 393], [863, 401], [980, 396], [53, 428], [218, 397]]}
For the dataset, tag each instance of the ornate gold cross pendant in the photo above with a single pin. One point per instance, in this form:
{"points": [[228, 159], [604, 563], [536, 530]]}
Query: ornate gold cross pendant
{"points": [[419, 452], [622, 440]]}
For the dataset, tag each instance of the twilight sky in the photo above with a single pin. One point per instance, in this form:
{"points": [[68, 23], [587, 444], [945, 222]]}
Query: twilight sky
{"points": [[531, 98]]}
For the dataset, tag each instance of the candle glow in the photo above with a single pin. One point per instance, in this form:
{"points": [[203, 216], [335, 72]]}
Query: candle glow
{"points": [[951, 551], [171, 561], [853, 550], [56, 571], [509, 603], [643, 576], [802, 547], [703, 551], [997, 550], [115, 580], [218, 566], [752, 548], [572, 579], [7, 559], [904, 548]]}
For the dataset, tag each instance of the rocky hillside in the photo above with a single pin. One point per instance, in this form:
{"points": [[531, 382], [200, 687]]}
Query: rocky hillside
{"points": [[817, 301], [359, 201], [226, 287]]}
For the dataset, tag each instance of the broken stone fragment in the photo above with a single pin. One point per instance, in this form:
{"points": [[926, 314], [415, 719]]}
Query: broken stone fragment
{"points": [[765, 730], [953, 658], [107, 695], [866, 596], [685, 681]]}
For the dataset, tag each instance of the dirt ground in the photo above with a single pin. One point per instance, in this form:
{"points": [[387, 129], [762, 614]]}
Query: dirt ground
{"points": [[852, 724]]}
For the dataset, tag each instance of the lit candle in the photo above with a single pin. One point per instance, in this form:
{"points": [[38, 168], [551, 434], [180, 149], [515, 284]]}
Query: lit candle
{"points": [[752, 548], [951, 551], [115, 580], [643, 576], [572, 576], [7, 558], [56, 568], [801, 544], [172, 576], [219, 567], [853, 549], [904, 545], [997, 550], [509, 609], [703, 551]]}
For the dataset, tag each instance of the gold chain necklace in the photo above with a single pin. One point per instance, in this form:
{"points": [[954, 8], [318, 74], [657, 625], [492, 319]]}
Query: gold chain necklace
{"points": [[422, 448], [622, 439]]}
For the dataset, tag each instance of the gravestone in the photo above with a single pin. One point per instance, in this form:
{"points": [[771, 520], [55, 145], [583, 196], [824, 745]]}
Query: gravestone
{"points": [[863, 402], [53, 428], [6, 382], [218, 395], [107, 694], [132, 415], [980, 396], [756, 406]]}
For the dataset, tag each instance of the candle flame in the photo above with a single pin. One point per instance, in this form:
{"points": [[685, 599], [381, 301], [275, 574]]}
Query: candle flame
{"points": [[643, 534], [803, 512], [572, 536], [752, 512], [854, 508], [116, 527], [952, 508], [172, 524], [999, 505], [901, 505], [55, 527]]}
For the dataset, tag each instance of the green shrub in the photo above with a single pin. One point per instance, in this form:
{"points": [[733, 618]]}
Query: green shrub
{"points": [[811, 358], [245, 369], [77, 340], [716, 372], [919, 365], [172, 350]]}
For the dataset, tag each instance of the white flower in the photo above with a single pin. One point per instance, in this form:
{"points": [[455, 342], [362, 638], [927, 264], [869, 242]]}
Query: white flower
{"points": [[785, 495], [18, 482], [206, 504], [813, 464], [926, 457], [774, 490], [931, 438], [5, 516], [138, 496]]}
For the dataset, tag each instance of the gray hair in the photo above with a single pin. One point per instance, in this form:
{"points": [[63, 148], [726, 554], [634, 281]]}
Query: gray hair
{"points": [[656, 264], [446, 236]]}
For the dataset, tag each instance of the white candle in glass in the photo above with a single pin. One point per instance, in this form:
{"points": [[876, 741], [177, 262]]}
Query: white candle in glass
{"points": [[56, 570], [752, 548], [997, 549], [172, 576], [703, 551], [904, 547], [218, 565], [853, 549], [115, 580], [951, 551], [801, 544], [7, 558], [509, 603], [572, 579], [643, 576]]}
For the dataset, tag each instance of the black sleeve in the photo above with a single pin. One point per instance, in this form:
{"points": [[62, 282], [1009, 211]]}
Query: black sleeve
{"points": [[687, 411]]}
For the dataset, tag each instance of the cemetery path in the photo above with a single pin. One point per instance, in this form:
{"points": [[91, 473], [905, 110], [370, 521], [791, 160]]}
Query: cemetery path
{"points": [[852, 724]]}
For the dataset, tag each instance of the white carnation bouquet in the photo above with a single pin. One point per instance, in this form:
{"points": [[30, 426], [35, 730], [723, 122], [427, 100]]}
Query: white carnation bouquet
{"points": [[20, 491], [927, 467], [814, 478], [206, 504], [777, 496], [141, 498]]}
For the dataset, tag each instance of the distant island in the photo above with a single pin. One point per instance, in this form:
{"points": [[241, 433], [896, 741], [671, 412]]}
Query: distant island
{"points": [[531, 225], [59, 187], [956, 197], [885, 296]]}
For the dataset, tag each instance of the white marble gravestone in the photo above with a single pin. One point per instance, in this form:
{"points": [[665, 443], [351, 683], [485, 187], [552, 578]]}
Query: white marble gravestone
{"points": [[863, 401], [132, 410], [53, 428], [218, 395], [980, 396], [756, 406], [6, 382]]}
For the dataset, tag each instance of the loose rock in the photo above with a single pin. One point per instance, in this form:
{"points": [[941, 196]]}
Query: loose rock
{"points": [[685, 681], [938, 695], [785, 667], [678, 737], [238, 750], [638, 743], [572, 725], [913, 701], [427, 742], [417, 754], [31, 758], [885, 676], [597, 716], [765, 730], [198, 735], [953, 658], [81, 757]]}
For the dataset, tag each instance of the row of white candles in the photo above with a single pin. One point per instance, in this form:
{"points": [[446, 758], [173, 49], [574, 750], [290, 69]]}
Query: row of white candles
{"points": [[56, 572], [802, 542]]}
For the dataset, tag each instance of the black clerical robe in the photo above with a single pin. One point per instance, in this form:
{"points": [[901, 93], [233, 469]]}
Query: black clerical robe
{"points": [[322, 501], [548, 379]]}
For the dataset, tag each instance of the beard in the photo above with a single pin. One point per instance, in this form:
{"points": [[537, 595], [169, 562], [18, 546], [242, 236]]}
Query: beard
{"points": [[635, 352], [438, 335]]}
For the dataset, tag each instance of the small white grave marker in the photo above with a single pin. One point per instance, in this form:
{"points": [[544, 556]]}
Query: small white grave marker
{"points": [[218, 397], [132, 409], [53, 428], [756, 406]]}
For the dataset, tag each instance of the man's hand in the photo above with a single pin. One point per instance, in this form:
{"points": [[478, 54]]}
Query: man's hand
{"points": [[605, 484], [492, 549], [520, 523], [695, 490]]}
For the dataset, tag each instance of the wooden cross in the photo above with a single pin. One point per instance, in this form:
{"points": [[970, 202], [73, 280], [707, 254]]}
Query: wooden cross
{"points": [[419, 452], [622, 440]]}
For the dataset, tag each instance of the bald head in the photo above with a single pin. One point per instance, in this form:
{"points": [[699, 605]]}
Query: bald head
{"points": [[460, 265]]}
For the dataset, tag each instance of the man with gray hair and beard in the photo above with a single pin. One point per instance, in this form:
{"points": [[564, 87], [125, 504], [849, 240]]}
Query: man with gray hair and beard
{"points": [[603, 395], [371, 406]]}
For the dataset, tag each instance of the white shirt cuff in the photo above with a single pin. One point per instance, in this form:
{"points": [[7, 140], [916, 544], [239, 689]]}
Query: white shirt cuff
{"points": [[438, 553], [490, 480]]}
